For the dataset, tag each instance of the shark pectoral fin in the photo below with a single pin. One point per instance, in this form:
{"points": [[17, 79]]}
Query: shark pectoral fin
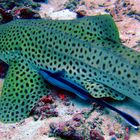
{"points": [[22, 88], [99, 90]]}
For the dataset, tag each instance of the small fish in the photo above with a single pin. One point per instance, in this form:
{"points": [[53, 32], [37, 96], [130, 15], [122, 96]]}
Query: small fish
{"points": [[56, 79]]}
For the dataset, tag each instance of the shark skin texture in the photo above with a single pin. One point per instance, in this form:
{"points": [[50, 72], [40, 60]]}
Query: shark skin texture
{"points": [[88, 49]]}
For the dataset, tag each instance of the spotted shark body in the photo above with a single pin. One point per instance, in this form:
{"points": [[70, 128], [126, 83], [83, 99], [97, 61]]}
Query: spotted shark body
{"points": [[88, 49]]}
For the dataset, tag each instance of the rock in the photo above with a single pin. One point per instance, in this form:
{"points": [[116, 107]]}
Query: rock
{"points": [[72, 4], [77, 117], [63, 14], [25, 13], [95, 135], [62, 130], [6, 16], [44, 108], [135, 6], [52, 6]]}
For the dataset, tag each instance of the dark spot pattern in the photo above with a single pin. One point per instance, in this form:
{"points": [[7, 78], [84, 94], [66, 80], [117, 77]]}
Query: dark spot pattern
{"points": [[99, 90], [18, 98], [87, 49]]}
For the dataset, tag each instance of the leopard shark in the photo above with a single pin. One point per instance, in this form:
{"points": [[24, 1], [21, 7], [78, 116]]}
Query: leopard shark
{"points": [[88, 49]]}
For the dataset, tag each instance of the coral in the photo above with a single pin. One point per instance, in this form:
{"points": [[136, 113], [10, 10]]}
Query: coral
{"points": [[74, 129], [45, 108], [47, 99], [64, 130], [62, 96], [95, 135], [79, 127], [127, 133]]}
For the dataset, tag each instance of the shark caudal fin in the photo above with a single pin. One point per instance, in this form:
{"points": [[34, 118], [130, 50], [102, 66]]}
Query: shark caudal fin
{"points": [[23, 87], [98, 90]]}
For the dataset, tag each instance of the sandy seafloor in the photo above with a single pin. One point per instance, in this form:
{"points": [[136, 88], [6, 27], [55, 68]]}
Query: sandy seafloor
{"points": [[108, 124]]}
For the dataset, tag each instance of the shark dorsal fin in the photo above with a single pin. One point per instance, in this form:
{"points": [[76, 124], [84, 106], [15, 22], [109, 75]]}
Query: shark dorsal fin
{"points": [[102, 26]]}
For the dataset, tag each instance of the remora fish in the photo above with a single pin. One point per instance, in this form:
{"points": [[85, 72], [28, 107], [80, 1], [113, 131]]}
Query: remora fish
{"points": [[68, 85], [88, 49]]}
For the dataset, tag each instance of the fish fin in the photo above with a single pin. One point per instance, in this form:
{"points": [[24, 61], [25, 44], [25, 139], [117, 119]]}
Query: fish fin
{"points": [[59, 73], [102, 26], [54, 74], [22, 88], [99, 90]]}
